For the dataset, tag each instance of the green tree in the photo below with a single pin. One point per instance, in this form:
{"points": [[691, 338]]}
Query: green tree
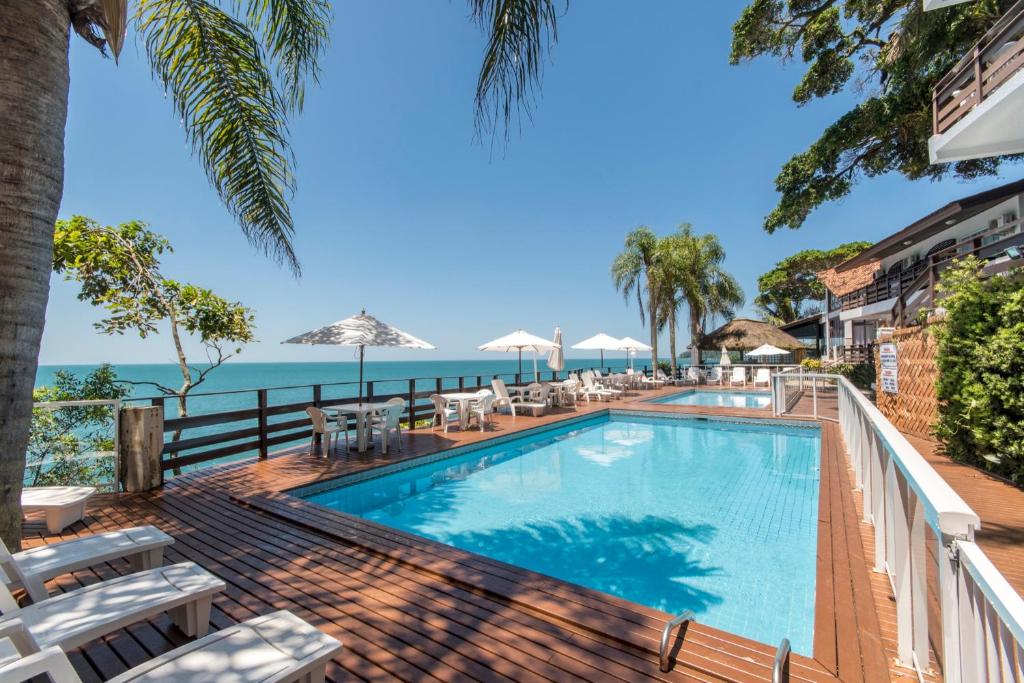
{"points": [[67, 446], [895, 53], [119, 270], [792, 290], [981, 368], [634, 272], [235, 74]]}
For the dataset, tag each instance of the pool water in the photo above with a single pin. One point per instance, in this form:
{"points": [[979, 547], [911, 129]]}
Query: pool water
{"points": [[719, 399], [673, 513]]}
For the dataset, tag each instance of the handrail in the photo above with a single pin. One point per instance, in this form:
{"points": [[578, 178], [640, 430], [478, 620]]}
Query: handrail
{"points": [[670, 625], [780, 669]]}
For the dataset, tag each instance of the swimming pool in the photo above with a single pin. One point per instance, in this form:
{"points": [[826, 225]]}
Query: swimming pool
{"points": [[673, 513], [719, 399]]}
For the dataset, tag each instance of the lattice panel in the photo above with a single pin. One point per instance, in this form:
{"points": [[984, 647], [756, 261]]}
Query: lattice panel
{"points": [[913, 410]]}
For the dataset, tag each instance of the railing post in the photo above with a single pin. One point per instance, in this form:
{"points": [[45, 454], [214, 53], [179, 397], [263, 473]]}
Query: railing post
{"points": [[412, 403], [949, 606], [439, 385], [261, 397], [317, 391], [462, 383], [369, 392], [519, 378], [479, 382]]}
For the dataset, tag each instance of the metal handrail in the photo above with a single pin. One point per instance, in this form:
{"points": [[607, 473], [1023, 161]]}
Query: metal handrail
{"points": [[684, 617], [780, 669]]}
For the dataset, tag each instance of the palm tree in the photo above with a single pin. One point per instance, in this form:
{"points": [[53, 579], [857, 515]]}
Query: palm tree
{"points": [[235, 74], [692, 272], [634, 271]]}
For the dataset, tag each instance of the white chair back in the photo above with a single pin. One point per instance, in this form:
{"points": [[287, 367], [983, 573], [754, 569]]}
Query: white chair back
{"points": [[762, 376], [7, 602], [693, 373], [499, 388], [739, 374], [393, 414], [440, 403], [715, 375], [319, 419]]}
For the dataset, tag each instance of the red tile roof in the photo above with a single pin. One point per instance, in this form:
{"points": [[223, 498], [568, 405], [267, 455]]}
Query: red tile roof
{"points": [[849, 280]]}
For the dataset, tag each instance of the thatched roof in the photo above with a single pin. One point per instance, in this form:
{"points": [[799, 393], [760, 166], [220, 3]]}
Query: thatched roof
{"points": [[743, 334]]}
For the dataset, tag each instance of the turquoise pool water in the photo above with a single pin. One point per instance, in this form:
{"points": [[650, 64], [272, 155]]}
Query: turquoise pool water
{"points": [[718, 517], [719, 399]]}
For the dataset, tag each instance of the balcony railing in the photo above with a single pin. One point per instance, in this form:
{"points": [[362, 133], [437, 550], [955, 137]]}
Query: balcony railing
{"points": [[990, 63], [882, 289]]}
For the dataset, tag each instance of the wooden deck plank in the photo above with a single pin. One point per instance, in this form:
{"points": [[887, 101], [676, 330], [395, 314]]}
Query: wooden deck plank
{"points": [[412, 609]]}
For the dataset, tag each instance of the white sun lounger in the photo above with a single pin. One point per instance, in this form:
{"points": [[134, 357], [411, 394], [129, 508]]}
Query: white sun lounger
{"points": [[185, 591], [275, 648], [762, 376], [143, 547], [63, 505], [591, 389]]}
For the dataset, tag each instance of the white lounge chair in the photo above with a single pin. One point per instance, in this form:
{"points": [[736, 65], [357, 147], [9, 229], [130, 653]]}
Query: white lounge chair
{"points": [[590, 388], [445, 412], [503, 398], [389, 421], [738, 376], [327, 431], [275, 648], [714, 376], [536, 400], [692, 375], [604, 385], [143, 547], [762, 376], [62, 505], [72, 619]]}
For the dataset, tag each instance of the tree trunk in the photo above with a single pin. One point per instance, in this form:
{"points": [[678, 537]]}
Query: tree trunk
{"points": [[652, 310], [696, 333], [33, 111], [672, 340]]}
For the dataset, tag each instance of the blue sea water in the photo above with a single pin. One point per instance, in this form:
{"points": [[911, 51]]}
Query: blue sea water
{"points": [[718, 399], [676, 514]]}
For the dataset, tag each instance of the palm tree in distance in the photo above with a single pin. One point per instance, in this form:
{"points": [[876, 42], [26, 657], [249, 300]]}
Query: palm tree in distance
{"points": [[235, 73], [635, 272]]}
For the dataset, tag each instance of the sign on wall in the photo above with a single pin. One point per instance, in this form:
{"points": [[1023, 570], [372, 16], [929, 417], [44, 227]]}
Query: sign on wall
{"points": [[890, 375]]}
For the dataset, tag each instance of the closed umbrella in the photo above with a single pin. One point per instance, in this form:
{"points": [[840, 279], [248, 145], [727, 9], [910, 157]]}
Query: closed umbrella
{"points": [[517, 341], [725, 360], [631, 347], [600, 342], [556, 359], [360, 330]]}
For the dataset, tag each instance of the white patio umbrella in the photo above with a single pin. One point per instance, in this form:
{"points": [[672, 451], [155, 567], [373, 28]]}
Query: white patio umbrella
{"points": [[767, 350], [517, 341], [631, 346], [360, 330], [556, 359], [725, 360], [600, 342]]}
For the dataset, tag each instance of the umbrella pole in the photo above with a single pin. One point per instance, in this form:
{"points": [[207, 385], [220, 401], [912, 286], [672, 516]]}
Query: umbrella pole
{"points": [[361, 348], [602, 360], [520, 363]]}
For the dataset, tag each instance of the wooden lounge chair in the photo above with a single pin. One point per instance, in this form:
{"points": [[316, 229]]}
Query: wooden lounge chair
{"points": [[275, 648], [72, 619], [143, 547], [63, 505]]}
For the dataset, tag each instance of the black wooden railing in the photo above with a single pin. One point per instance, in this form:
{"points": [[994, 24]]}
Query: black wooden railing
{"points": [[261, 424]]}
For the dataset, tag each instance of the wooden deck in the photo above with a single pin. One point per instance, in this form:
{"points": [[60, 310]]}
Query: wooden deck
{"points": [[410, 609]]}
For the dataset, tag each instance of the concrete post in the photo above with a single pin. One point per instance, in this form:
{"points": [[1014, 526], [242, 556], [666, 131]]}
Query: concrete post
{"points": [[142, 440]]}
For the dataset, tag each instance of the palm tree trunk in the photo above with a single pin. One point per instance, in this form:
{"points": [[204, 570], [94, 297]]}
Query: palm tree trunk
{"points": [[652, 310], [672, 339], [33, 111], [696, 332]]}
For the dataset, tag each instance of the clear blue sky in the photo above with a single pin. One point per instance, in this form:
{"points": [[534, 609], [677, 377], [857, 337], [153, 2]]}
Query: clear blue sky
{"points": [[641, 120]]}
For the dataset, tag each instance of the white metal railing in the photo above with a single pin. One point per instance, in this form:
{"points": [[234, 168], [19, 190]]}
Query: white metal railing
{"points": [[981, 616], [115, 414]]}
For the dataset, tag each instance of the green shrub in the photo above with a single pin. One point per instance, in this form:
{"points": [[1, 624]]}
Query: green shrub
{"points": [[861, 374], [981, 368]]}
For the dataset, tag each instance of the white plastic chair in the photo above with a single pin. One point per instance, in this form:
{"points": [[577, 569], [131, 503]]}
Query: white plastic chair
{"points": [[503, 397], [69, 620], [762, 376], [445, 412], [482, 409], [714, 376], [62, 505], [322, 426], [738, 376], [590, 388], [276, 648], [142, 546], [536, 401], [389, 421], [693, 375]]}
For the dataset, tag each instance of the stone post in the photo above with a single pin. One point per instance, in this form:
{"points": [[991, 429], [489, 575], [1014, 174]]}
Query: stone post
{"points": [[142, 439]]}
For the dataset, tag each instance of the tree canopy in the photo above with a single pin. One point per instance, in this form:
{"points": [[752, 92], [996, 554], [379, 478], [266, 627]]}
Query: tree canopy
{"points": [[894, 53], [787, 291]]}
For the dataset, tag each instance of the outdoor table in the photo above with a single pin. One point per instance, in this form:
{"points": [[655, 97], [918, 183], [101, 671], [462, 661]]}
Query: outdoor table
{"points": [[462, 398], [362, 411]]}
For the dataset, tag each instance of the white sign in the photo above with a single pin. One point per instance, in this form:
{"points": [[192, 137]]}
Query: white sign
{"points": [[890, 375]]}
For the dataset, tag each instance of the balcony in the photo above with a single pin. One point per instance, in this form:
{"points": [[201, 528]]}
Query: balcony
{"points": [[978, 107]]}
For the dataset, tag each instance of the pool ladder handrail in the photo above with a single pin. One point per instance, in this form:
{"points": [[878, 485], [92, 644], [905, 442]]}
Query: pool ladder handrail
{"points": [[670, 626], [780, 669]]}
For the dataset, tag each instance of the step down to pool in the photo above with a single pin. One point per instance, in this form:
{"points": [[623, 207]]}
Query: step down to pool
{"points": [[670, 626]]}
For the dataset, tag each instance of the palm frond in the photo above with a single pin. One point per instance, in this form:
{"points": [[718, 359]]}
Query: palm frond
{"points": [[295, 36], [222, 89], [519, 35]]}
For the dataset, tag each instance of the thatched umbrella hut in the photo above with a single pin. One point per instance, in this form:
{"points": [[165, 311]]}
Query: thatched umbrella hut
{"points": [[744, 334]]}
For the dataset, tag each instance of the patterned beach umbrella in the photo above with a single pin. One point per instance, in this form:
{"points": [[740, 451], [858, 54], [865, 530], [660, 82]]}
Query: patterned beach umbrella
{"points": [[360, 330]]}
